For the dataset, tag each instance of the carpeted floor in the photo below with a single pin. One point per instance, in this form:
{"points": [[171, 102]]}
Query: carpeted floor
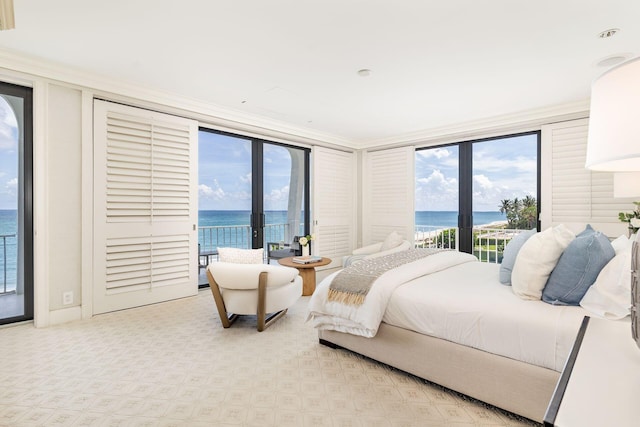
{"points": [[172, 364]]}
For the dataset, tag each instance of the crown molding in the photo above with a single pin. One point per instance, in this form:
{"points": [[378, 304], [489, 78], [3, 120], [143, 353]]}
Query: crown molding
{"points": [[225, 118], [522, 121], [212, 114]]}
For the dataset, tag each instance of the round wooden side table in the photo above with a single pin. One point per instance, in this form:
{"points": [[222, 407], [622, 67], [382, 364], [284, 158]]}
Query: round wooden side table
{"points": [[307, 272]]}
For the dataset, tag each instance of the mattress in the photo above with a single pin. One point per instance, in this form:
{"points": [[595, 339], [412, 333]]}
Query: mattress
{"points": [[467, 305]]}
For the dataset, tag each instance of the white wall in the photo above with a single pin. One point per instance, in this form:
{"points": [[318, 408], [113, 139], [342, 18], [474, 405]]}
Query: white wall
{"points": [[64, 203], [63, 186]]}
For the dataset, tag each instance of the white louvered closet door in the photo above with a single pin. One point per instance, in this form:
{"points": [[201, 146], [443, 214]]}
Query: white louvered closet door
{"points": [[571, 194], [389, 191], [145, 207], [334, 204]]}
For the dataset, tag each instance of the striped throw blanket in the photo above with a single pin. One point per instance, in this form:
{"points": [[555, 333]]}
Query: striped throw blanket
{"points": [[352, 284]]}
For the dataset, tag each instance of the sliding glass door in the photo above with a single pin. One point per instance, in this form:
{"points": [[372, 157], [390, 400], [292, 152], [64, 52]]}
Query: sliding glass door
{"points": [[284, 193], [487, 189], [252, 192], [437, 197], [16, 206]]}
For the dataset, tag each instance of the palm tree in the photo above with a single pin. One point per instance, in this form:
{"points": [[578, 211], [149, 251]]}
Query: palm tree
{"points": [[505, 205], [520, 213], [529, 202]]}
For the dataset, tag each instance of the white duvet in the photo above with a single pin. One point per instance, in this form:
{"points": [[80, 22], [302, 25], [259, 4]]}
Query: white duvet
{"points": [[365, 319], [467, 305]]}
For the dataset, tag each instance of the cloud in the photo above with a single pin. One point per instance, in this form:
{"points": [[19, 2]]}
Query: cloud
{"points": [[438, 153], [211, 193], [483, 182], [437, 192], [8, 127], [487, 192], [277, 199], [246, 178]]}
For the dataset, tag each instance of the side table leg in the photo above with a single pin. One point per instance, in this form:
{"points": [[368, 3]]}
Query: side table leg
{"points": [[308, 280]]}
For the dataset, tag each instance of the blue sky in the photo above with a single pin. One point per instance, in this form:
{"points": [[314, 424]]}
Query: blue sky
{"points": [[502, 169], [8, 156], [224, 165]]}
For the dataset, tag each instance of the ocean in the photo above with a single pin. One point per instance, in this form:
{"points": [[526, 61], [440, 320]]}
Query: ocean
{"points": [[424, 218], [8, 249], [450, 218], [239, 237]]}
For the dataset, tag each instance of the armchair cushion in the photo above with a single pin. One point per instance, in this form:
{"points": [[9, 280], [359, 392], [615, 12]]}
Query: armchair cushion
{"points": [[245, 276], [241, 256]]}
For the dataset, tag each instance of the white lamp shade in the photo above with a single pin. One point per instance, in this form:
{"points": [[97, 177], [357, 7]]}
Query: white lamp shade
{"points": [[626, 184], [614, 123]]}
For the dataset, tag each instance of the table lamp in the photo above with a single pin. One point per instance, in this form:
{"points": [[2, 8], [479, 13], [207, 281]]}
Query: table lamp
{"points": [[613, 145]]}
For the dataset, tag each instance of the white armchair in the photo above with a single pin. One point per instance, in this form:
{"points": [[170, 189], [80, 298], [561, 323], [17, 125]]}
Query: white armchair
{"points": [[392, 244], [253, 289]]}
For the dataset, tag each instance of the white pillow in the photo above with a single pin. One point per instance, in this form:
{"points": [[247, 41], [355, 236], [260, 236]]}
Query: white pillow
{"points": [[392, 240], [621, 243], [536, 259], [610, 295], [241, 256]]}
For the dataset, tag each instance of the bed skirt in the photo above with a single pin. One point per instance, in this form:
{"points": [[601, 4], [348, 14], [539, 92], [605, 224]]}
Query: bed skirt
{"points": [[509, 384]]}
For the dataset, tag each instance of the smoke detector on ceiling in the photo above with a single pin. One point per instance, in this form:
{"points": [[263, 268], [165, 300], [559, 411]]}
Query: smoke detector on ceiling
{"points": [[609, 33]]}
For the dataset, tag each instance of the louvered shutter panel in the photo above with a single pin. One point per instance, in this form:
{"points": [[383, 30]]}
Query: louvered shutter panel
{"points": [[389, 192], [334, 203], [571, 194], [145, 207]]}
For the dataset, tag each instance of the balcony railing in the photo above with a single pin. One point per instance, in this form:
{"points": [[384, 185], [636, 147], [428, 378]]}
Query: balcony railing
{"points": [[488, 243], [237, 236], [8, 252]]}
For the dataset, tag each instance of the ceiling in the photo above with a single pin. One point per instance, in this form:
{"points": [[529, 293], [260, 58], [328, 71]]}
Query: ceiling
{"points": [[295, 63]]}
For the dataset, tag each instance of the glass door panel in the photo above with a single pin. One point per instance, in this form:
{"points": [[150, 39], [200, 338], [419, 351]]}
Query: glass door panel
{"points": [[16, 224], [284, 174], [505, 190], [436, 197], [224, 193]]}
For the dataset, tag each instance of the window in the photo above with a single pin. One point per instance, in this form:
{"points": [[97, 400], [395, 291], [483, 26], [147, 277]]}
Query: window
{"points": [[16, 204], [252, 193], [488, 184]]}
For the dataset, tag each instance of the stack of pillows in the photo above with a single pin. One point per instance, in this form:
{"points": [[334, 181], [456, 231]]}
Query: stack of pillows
{"points": [[562, 268]]}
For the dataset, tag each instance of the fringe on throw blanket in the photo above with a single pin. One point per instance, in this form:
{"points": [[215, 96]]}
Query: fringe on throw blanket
{"points": [[352, 284]]}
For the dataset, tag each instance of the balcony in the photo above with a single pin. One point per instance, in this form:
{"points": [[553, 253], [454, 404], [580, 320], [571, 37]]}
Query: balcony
{"points": [[488, 242]]}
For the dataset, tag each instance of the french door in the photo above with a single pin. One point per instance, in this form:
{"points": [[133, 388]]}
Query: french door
{"points": [[16, 203], [476, 183], [252, 192]]}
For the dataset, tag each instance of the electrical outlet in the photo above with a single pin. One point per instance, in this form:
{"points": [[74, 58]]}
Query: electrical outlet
{"points": [[67, 298]]}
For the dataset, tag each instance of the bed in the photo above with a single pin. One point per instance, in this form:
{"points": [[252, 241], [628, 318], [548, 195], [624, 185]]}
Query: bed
{"points": [[454, 324]]}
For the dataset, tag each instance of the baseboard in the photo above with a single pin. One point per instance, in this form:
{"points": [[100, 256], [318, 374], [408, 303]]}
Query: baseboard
{"points": [[65, 315]]}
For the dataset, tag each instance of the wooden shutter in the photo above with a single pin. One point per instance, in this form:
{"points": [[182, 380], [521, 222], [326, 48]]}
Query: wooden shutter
{"points": [[571, 194], [389, 193], [145, 207], [334, 203]]}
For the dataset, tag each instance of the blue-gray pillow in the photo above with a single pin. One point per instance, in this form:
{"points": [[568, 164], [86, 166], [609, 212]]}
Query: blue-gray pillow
{"points": [[578, 268], [511, 253]]}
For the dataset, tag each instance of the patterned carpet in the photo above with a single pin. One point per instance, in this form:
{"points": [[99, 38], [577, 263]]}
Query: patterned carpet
{"points": [[172, 364]]}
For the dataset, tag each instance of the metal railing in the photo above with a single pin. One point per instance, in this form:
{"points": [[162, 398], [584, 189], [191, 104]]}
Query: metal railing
{"points": [[434, 236], [488, 243], [3, 290], [237, 236]]}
